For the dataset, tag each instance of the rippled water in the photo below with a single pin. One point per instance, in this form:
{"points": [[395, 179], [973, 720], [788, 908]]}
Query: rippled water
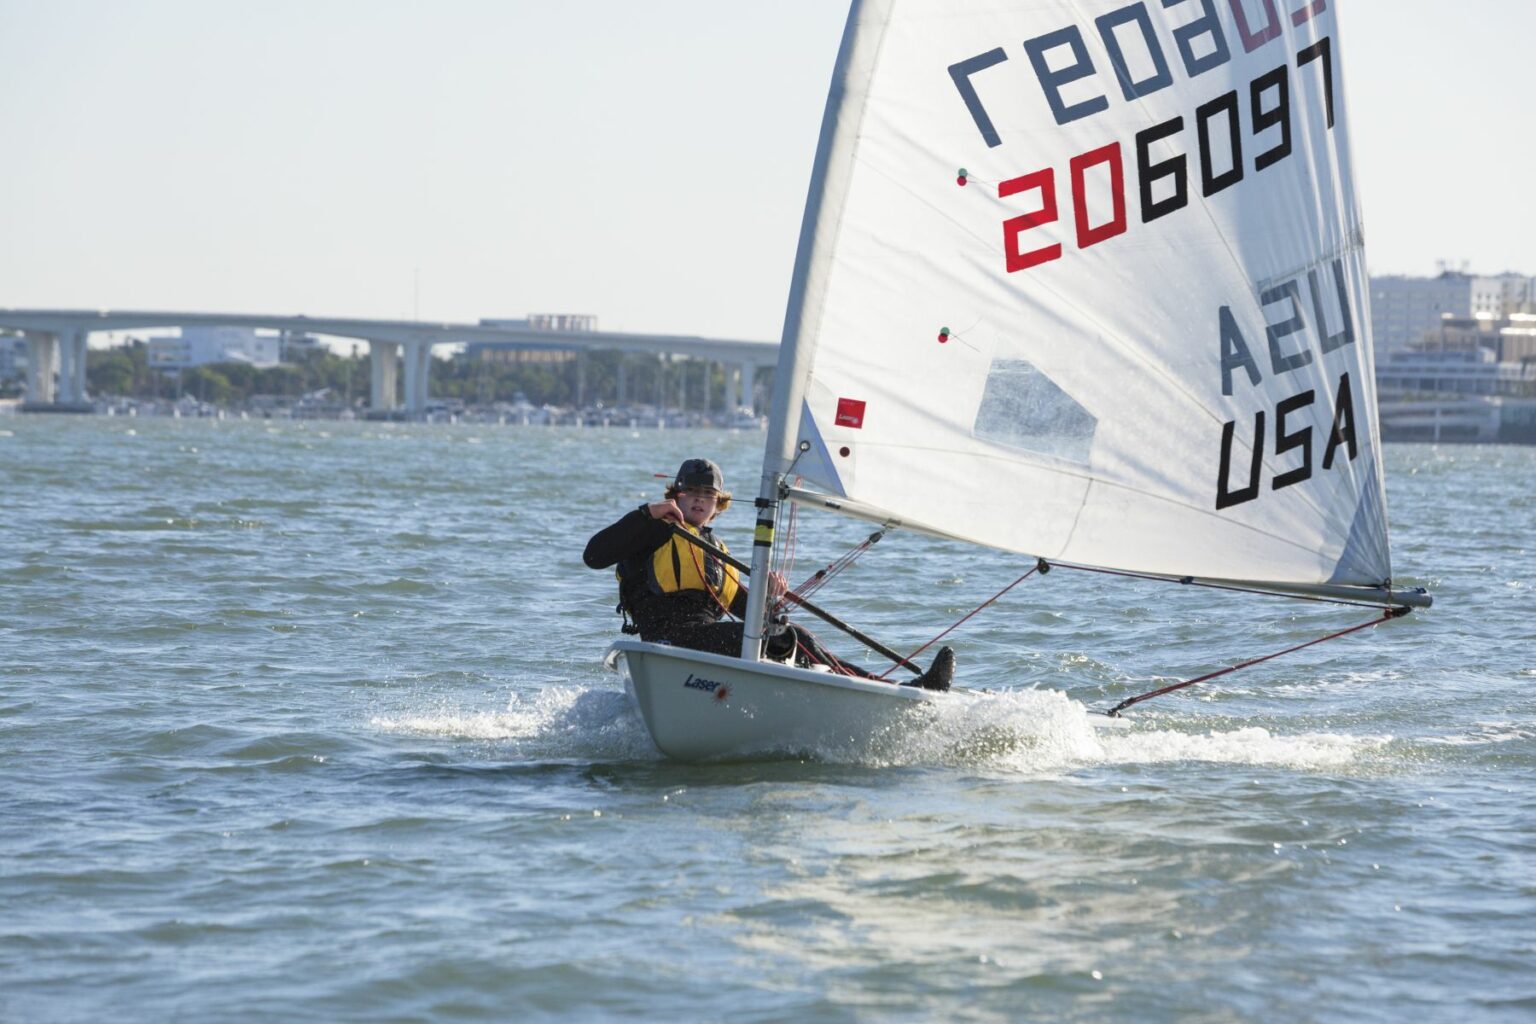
{"points": [[306, 722]]}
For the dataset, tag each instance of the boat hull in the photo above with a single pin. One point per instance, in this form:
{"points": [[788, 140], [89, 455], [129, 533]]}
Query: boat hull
{"points": [[700, 706]]}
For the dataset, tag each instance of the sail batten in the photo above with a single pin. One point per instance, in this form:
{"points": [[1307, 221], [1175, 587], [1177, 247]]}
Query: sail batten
{"points": [[1085, 279]]}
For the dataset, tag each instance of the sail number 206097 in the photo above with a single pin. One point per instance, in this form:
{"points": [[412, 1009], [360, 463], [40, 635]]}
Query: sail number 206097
{"points": [[1163, 184]]}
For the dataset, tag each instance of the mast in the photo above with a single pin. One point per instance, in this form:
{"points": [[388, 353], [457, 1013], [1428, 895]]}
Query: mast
{"points": [[829, 181]]}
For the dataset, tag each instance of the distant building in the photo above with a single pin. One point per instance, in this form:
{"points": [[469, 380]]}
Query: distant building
{"points": [[519, 352], [1503, 296], [1470, 355], [1425, 374], [198, 346], [295, 345], [1404, 309], [13, 357], [1508, 339]]}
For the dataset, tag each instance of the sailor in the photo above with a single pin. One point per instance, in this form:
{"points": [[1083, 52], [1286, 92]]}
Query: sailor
{"points": [[671, 591]]}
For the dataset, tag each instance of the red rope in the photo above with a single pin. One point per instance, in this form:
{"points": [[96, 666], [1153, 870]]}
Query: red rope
{"points": [[831, 662], [964, 618], [698, 563], [821, 577], [1390, 613]]}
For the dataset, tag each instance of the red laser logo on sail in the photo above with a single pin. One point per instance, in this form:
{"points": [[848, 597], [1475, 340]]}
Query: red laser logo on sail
{"points": [[850, 413]]}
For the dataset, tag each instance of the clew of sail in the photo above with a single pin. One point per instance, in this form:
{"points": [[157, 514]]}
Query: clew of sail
{"points": [[1085, 279]]}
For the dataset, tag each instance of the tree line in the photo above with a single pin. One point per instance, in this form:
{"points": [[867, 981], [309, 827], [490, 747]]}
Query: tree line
{"points": [[590, 379]]}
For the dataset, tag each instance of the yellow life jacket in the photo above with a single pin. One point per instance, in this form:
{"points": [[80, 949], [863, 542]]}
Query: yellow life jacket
{"points": [[676, 566]]}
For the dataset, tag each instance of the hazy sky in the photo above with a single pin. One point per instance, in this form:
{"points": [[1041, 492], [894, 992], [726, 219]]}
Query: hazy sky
{"points": [[642, 160]]}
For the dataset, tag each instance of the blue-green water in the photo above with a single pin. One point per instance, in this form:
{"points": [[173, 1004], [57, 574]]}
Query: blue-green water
{"points": [[306, 722]]}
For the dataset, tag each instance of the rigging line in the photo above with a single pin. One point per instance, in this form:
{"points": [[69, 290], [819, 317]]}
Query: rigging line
{"points": [[852, 556], [1390, 613], [821, 577], [788, 553], [1040, 566], [799, 451], [1189, 581], [824, 575]]}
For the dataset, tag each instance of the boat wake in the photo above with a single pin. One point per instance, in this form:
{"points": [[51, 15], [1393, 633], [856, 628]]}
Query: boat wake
{"points": [[1027, 731], [555, 723], [1044, 731]]}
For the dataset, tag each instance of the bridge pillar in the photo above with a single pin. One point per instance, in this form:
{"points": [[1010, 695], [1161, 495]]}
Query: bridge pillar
{"points": [[42, 359], [384, 361], [424, 376], [71, 351], [746, 385], [418, 362], [81, 387]]}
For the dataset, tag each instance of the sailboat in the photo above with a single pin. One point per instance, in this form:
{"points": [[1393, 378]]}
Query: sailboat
{"points": [[1081, 280]]}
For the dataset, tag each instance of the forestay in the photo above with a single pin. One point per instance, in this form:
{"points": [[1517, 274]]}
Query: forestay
{"points": [[1086, 280]]}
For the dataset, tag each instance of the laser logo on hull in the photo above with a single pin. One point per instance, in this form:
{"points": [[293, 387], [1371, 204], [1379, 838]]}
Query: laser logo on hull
{"points": [[714, 686]]}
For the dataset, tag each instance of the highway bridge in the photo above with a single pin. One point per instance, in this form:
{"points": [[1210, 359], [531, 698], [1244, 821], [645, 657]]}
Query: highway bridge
{"points": [[57, 343]]}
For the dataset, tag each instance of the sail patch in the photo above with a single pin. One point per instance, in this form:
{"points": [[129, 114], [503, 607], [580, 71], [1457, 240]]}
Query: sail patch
{"points": [[1023, 408]]}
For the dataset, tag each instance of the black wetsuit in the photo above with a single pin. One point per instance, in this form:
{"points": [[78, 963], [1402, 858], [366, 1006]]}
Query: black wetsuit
{"points": [[688, 618]]}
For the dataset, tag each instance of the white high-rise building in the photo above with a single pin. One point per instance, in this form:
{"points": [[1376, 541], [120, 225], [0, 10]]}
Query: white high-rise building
{"points": [[199, 345], [1499, 298]]}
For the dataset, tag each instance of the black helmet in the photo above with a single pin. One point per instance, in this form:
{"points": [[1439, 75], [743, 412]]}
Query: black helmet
{"points": [[700, 473]]}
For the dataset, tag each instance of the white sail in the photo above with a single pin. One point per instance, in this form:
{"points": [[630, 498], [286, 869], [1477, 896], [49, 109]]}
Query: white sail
{"points": [[1085, 279]]}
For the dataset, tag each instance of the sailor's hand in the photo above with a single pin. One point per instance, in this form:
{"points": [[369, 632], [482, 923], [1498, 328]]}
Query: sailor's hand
{"points": [[667, 511], [777, 587]]}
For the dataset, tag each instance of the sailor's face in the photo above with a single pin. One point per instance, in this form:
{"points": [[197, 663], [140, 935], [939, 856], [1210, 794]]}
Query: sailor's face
{"points": [[698, 504]]}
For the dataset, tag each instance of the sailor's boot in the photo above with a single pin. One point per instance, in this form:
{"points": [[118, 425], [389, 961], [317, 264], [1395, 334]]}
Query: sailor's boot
{"points": [[939, 673]]}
